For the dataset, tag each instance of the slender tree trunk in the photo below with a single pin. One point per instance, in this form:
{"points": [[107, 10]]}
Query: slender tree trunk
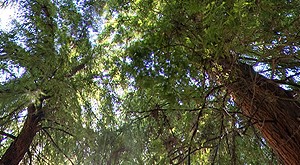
{"points": [[271, 109], [16, 151]]}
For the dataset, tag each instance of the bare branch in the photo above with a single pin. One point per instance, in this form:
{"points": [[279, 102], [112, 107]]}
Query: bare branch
{"points": [[62, 130], [8, 135]]}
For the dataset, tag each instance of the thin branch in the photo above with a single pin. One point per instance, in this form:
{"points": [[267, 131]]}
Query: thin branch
{"points": [[193, 151], [30, 156], [56, 145], [196, 125], [8, 135], [20, 107], [166, 109], [62, 130], [42, 158], [220, 139], [286, 83], [291, 76]]}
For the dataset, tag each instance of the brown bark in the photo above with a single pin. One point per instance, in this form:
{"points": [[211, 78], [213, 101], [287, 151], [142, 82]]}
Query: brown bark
{"points": [[271, 109], [16, 151]]}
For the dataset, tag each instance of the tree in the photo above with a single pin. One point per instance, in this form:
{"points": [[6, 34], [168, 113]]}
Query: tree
{"points": [[215, 44], [50, 97], [163, 82]]}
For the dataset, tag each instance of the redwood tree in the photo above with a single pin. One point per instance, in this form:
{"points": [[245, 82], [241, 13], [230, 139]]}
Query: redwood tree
{"points": [[249, 49], [47, 86], [151, 82], [273, 110]]}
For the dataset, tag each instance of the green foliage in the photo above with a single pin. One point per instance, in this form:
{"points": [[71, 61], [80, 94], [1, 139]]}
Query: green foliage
{"points": [[51, 46], [129, 82], [171, 49]]}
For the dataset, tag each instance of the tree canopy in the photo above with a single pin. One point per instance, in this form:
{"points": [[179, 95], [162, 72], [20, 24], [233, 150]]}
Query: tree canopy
{"points": [[150, 82]]}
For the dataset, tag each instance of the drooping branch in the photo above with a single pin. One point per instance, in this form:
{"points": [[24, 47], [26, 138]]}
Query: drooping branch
{"points": [[56, 145]]}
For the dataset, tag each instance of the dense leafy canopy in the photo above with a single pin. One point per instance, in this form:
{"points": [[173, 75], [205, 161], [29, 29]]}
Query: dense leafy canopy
{"points": [[142, 82]]}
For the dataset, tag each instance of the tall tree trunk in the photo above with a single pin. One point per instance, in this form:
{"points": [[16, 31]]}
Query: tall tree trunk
{"points": [[16, 151], [273, 110]]}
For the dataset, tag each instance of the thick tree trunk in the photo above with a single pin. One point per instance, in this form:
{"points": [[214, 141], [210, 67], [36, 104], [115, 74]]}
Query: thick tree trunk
{"points": [[271, 109], [16, 151]]}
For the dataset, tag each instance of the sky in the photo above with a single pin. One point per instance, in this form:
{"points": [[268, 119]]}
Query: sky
{"points": [[5, 16]]}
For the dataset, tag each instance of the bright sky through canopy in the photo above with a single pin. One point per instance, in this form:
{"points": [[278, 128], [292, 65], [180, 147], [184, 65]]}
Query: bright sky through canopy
{"points": [[6, 15]]}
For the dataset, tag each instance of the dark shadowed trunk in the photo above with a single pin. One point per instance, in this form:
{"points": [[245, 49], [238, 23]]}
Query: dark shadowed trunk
{"points": [[273, 110], [16, 151]]}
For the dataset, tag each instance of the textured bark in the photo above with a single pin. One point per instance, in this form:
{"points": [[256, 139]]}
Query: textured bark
{"points": [[271, 109], [16, 151]]}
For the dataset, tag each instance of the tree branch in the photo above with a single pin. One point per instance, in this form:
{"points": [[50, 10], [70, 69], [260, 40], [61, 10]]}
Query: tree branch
{"points": [[75, 70], [16, 151], [8, 135], [56, 145]]}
